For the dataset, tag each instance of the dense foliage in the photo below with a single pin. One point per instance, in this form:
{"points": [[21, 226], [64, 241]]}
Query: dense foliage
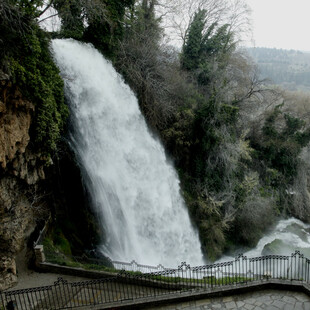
{"points": [[97, 21], [235, 174]]}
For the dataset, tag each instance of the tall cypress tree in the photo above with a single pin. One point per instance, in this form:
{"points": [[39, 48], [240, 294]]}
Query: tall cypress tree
{"points": [[205, 45], [191, 53]]}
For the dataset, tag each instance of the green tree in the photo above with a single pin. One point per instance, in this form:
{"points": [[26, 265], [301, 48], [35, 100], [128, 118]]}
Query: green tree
{"points": [[16, 21], [192, 48], [105, 30], [206, 48], [72, 15], [145, 65]]}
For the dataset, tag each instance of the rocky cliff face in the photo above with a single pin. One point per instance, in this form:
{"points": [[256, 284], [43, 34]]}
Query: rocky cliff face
{"points": [[20, 172], [30, 191]]}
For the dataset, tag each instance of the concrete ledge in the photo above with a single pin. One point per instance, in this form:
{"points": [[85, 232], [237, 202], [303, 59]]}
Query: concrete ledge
{"points": [[177, 297], [73, 271], [180, 297], [95, 274]]}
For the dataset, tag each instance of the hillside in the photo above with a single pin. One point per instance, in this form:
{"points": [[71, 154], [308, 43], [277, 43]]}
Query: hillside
{"points": [[288, 68]]}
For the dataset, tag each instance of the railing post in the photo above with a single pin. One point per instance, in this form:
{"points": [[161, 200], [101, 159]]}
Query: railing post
{"points": [[11, 305], [39, 254], [308, 274], [239, 261]]}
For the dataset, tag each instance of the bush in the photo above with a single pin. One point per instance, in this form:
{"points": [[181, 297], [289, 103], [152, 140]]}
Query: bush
{"points": [[252, 221]]}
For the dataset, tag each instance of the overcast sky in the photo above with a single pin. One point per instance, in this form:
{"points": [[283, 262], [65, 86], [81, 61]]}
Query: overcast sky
{"points": [[281, 23]]}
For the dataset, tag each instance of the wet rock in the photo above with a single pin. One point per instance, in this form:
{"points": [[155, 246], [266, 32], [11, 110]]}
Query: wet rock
{"points": [[20, 170], [7, 272]]}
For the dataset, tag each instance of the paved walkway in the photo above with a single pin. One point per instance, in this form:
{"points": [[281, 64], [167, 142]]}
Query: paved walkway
{"points": [[263, 299], [260, 300]]}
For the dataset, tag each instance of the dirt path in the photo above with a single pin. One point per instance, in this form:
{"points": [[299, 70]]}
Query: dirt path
{"points": [[29, 278]]}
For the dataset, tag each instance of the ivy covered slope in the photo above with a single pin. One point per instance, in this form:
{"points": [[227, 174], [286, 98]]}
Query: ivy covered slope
{"points": [[26, 57]]}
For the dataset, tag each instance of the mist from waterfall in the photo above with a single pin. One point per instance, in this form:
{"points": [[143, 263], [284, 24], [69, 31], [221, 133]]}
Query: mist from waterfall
{"points": [[133, 187]]}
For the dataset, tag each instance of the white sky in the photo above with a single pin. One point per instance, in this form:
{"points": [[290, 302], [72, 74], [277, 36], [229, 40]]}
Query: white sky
{"points": [[281, 23]]}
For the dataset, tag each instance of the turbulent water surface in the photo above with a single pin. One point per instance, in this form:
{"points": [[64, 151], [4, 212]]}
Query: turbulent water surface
{"points": [[132, 185], [287, 236]]}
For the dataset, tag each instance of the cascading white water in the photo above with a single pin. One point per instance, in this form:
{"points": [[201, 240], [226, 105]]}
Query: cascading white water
{"points": [[286, 237], [290, 234], [130, 180]]}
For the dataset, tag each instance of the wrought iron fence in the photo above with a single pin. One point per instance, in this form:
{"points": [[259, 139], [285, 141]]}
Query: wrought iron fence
{"points": [[99, 263], [59, 258], [134, 266], [136, 285]]}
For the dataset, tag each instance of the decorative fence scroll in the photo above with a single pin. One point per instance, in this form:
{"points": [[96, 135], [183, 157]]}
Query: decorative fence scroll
{"points": [[129, 285]]}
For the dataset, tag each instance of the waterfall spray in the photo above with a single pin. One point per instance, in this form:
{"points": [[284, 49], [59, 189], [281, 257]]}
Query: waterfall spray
{"points": [[134, 188]]}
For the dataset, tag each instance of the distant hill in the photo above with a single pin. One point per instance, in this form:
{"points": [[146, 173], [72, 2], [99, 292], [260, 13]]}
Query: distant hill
{"points": [[287, 68]]}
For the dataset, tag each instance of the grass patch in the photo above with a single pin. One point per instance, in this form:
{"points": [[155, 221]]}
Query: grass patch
{"points": [[70, 261], [206, 280], [54, 255]]}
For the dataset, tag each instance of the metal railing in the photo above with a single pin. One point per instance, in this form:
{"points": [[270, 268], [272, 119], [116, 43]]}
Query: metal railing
{"points": [[135, 285], [97, 263], [67, 260]]}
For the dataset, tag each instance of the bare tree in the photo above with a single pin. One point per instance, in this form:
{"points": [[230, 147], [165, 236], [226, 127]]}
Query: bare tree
{"points": [[297, 103]]}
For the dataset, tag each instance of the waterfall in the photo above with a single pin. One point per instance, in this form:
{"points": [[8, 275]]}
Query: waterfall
{"points": [[134, 188]]}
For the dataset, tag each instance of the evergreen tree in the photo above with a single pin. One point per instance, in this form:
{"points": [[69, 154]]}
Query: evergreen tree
{"points": [[192, 48], [106, 30], [206, 48]]}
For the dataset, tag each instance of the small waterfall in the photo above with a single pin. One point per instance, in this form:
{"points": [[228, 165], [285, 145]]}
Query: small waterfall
{"points": [[133, 187]]}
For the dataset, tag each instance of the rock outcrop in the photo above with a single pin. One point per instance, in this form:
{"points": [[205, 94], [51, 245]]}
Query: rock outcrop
{"points": [[20, 171], [25, 180]]}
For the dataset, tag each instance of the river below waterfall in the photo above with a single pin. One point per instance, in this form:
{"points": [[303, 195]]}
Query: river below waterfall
{"points": [[133, 187], [284, 239], [288, 235]]}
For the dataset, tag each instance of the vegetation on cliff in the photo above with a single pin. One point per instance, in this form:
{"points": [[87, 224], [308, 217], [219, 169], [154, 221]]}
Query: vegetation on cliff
{"points": [[28, 61]]}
